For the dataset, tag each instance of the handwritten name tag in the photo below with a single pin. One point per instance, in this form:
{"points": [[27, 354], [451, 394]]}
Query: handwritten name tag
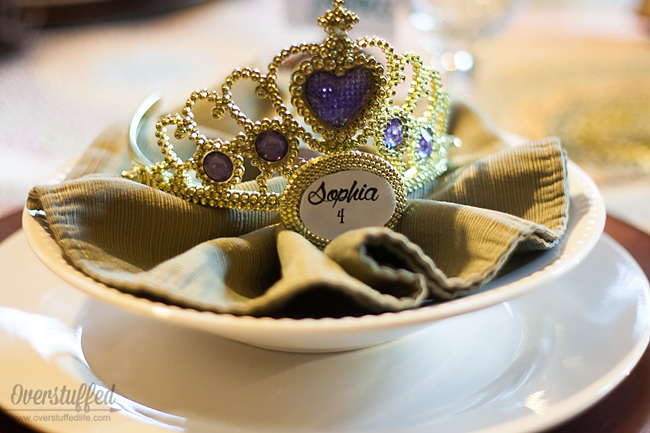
{"points": [[334, 193], [346, 200]]}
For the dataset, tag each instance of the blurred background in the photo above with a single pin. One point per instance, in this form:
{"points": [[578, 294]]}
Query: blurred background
{"points": [[577, 69]]}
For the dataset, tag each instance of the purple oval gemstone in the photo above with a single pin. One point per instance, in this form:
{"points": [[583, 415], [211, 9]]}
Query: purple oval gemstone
{"points": [[394, 134], [218, 166], [336, 99], [271, 145], [425, 144]]}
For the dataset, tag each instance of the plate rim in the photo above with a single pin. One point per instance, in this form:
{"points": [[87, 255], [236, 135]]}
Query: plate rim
{"points": [[561, 411], [584, 399]]}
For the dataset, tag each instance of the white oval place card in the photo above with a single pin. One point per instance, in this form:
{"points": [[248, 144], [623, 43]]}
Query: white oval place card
{"points": [[346, 200], [336, 193]]}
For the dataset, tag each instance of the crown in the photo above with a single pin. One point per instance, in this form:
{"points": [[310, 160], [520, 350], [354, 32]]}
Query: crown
{"points": [[372, 152]]}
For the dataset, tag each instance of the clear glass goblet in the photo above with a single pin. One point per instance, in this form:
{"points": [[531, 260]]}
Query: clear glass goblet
{"points": [[453, 29]]}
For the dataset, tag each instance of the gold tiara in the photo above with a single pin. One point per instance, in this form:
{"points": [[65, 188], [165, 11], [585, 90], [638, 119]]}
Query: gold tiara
{"points": [[372, 152]]}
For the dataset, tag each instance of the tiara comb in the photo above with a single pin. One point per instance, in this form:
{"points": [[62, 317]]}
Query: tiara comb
{"points": [[372, 153]]}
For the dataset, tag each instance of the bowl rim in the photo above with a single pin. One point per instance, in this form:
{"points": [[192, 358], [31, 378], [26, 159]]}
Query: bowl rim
{"points": [[50, 254]]}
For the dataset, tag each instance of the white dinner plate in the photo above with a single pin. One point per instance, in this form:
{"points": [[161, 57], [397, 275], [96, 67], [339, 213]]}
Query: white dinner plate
{"points": [[586, 222], [523, 365]]}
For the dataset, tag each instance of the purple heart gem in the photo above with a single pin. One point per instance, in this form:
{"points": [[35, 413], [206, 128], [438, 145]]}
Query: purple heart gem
{"points": [[336, 99]]}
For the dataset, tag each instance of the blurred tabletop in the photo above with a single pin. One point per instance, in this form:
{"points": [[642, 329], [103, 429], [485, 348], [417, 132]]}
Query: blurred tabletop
{"points": [[577, 69]]}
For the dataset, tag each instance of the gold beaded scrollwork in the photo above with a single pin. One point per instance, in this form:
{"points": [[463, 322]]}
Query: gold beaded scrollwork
{"points": [[413, 148]]}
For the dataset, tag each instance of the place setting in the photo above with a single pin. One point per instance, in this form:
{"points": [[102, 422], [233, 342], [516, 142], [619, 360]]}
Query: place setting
{"points": [[328, 242]]}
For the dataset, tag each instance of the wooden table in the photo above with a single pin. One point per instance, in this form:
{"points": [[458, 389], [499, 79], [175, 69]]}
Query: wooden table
{"points": [[625, 410]]}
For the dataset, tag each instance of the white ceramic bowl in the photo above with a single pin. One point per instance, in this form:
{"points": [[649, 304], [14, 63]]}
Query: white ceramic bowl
{"points": [[586, 223]]}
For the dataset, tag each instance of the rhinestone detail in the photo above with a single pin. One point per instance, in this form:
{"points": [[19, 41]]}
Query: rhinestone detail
{"points": [[425, 145], [394, 134], [218, 166], [271, 145]]}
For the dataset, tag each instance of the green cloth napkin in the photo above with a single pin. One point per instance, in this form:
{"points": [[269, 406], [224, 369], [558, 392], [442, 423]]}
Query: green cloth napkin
{"points": [[456, 234]]}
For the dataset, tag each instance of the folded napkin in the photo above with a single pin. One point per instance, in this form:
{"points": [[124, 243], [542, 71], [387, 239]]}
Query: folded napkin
{"points": [[456, 234]]}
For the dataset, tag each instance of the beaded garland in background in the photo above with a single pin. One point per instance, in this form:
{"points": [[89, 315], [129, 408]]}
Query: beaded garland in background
{"points": [[592, 94]]}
